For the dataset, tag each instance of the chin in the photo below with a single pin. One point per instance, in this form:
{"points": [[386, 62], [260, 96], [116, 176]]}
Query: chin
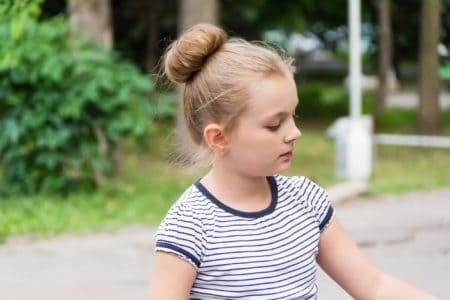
{"points": [[283, 168], [273, 171]]}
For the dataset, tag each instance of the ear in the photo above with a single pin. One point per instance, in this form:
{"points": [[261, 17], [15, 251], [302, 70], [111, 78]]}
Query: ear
{"points": [[215, 138]]}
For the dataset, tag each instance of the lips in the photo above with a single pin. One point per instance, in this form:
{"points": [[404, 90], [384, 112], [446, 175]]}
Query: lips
{"points": [[287, 154]]}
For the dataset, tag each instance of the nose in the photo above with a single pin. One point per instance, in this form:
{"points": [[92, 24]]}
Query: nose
{"points": [[293, 134]]}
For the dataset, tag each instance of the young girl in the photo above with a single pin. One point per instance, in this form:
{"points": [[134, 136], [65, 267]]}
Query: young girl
{"points": [[242, 231]]}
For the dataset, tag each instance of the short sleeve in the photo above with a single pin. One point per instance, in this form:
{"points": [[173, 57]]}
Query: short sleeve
{"points": [[181, 233], [318, 200]]}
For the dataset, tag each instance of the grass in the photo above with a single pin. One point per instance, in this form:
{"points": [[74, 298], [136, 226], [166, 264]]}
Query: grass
{"points": [[141, 198], [148, 186], [143, 193], [403, 169]]}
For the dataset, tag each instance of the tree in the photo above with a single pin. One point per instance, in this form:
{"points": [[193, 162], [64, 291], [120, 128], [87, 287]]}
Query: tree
{"points": [[429, 114], [66, 104], [154, 13], [192, 12], [196, 11], [92, 17], [250, 18], [384, 57]]}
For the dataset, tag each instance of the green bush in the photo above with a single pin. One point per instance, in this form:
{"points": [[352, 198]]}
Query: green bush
{"points": [[322, 101], [398, 120], [165, 105], [319, 102], [65, 104], [444, 71]]}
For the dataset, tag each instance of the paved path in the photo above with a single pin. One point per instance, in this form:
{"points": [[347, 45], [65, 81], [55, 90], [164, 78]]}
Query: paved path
{"points": [[411, 99], [408, 236]]}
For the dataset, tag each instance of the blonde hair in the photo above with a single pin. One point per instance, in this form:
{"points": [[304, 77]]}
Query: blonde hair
{"points": [[216, 74]]}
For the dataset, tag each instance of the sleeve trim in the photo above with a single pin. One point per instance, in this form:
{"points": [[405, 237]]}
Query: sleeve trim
{"points": [[162, 244], [327, 218]]}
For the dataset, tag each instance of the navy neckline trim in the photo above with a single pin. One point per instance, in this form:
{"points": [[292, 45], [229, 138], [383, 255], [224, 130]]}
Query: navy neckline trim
{"points": [[256, 214]]}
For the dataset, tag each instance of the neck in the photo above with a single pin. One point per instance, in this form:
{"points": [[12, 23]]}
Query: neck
{"points": [[237, 190]]}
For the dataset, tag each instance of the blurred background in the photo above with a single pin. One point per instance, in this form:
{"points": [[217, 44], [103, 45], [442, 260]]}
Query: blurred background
{"points": [[86, 117]]}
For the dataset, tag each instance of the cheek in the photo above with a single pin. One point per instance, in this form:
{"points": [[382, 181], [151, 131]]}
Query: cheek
{"points": [[262, 145], [256, 140], [251, 138]]}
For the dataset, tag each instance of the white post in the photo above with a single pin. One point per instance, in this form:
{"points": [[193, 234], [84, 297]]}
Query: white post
{"points": [[354, 11], [353, 134]]}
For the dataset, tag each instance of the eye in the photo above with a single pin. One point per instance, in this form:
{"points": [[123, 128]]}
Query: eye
{"points": [[273, 127]]}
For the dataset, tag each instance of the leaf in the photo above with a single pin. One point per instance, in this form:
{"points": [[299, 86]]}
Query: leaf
{"points": [[444, 71], [55, 89], [11, 130]]}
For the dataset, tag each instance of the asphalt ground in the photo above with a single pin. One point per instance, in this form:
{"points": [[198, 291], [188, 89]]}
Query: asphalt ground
{"points": [[408, 236]]}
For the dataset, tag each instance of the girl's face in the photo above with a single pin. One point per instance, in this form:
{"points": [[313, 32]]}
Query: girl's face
{"points": [[262, 141]]}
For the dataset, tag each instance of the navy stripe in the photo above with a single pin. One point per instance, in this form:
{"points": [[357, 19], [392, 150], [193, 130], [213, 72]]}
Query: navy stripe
{"points": [[250, 281], [227, 266], [286, 282], [230, 224], [188, 243], [251, 271], [181, 251], [265, 254], [327, 218], [245, 214], [267, 241], [269, 273], [264, 235]]}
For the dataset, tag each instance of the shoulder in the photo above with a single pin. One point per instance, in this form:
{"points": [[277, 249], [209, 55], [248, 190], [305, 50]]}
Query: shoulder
{"points": [[190, 208], [182, 231], [303, 185], [310, 195]]}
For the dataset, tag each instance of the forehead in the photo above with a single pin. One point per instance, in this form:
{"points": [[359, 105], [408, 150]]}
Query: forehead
{"points": [[271, 95]]}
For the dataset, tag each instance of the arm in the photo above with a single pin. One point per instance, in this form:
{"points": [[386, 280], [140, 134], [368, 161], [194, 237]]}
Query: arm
{"points": [[172, 277], [343, 261]]}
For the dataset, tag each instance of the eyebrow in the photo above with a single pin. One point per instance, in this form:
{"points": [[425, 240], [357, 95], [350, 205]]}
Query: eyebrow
{"points": [[277, 115]]}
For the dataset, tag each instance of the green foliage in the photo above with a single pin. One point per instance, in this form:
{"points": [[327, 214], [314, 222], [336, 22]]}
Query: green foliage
{"points": [[318, 102], [398, 120], [65, 103], [401, 120], [135, 197], [142, 193], [252, 17], [165, 106], [444, 71]]}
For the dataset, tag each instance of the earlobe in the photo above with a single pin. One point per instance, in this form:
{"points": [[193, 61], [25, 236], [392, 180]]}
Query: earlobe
{"points": [[214, 136]]}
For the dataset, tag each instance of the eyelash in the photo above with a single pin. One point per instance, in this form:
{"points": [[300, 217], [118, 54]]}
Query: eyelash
{"points": [[275, 127]]}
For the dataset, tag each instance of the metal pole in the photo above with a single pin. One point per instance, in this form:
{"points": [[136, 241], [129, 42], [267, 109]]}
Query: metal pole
{"points": [[355, 58]]}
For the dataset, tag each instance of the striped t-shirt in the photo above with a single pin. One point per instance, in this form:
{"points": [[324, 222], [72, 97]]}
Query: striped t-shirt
{"points": [[268, 254]]}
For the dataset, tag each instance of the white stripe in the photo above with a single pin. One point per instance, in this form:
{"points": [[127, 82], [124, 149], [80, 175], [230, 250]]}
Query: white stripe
{"points": [[240, 257]]}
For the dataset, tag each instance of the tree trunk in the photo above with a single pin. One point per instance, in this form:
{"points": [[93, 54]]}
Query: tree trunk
{"points": [[384, 57], [93, 18], [192, 12], [429, 113], [197, 11], [153, 36]]}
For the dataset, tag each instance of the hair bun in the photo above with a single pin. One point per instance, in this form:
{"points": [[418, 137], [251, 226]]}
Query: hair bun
{"points": [[187, 54]]}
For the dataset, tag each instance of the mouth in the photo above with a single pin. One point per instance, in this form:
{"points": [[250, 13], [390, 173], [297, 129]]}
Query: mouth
{"points": [[287, 155]]}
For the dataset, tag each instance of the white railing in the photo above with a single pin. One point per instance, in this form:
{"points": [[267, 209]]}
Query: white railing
{"points": [[412, 140]]}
